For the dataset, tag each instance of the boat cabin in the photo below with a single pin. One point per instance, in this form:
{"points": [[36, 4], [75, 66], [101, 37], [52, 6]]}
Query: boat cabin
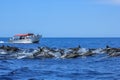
{"points": [[23, 36]]}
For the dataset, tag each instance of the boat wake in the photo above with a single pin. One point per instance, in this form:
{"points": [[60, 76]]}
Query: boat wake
{"points": [[7, 52]]}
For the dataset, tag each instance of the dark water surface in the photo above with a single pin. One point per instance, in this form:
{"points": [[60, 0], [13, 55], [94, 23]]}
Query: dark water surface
{"points": [[86, 68]]}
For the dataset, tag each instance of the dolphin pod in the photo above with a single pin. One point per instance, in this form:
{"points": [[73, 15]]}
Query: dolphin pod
{"points": [[8, 52]]}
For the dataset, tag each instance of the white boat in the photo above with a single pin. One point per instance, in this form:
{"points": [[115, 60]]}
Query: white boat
{"points": [[25, 38]]}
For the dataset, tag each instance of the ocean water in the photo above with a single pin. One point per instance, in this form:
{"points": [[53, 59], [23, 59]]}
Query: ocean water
{"points": [[86, 68]]}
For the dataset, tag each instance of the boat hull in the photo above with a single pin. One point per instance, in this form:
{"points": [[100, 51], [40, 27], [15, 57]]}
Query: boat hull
{"points": [[29, 40], [24, 41]]}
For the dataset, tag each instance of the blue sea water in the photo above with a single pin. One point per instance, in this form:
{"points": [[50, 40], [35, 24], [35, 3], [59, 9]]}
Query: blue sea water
{"points": [[86, 68]]}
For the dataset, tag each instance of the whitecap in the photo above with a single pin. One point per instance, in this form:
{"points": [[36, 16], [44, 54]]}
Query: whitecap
{"points": [[2, 42]]}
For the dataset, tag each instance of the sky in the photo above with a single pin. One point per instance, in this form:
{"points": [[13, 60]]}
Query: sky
{"points": [[60, 18]]}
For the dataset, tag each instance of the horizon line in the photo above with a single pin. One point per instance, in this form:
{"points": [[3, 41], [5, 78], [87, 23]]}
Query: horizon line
{"points": [[72, 37]]}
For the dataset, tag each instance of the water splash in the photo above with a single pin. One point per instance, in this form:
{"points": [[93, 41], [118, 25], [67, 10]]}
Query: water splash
{"points": [[2, 42], [7, 52]]}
